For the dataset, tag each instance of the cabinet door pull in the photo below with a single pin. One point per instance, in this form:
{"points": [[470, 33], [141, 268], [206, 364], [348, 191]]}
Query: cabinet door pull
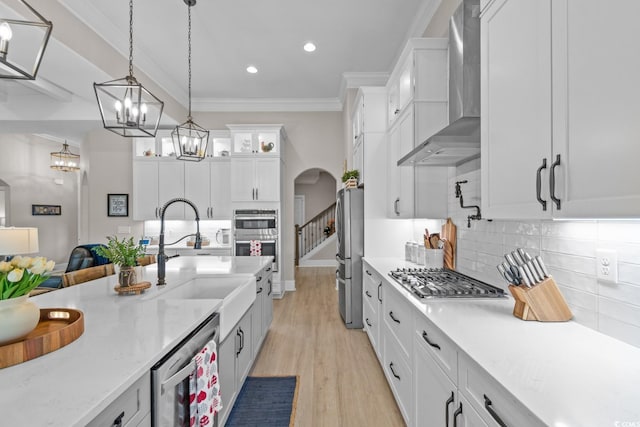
{"points": [[367, 294], [239, 342], [118, 421], [241, 339], [455, 415], [395, 206], [259, 291], [393, 371], [552, 182], [368, 272], [446, 408], [269, 282], [393, 317], [539, 184], [259, 278], [368, 323], [492, 412], [426, 338], [380, 293], [257, 194]]}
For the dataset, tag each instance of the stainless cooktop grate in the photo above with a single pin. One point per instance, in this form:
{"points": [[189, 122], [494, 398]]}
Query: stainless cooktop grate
{"points": [[443, 283]]}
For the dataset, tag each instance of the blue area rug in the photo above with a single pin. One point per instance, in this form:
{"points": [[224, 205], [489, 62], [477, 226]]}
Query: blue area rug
{"points": [[265, 401]]}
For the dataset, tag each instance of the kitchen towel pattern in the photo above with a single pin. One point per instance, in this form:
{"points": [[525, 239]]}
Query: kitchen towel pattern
{"points": [[204, 387], [255, 248]]}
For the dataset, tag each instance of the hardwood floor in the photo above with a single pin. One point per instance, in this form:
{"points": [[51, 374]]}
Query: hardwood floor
{"points": [[341, 381]]}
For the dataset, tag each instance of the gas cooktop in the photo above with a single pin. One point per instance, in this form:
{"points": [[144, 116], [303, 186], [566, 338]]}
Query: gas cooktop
{"points": [[443, 283]]}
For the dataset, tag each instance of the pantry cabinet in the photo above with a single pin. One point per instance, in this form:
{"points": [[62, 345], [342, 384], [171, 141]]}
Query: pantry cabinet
{"points": [[559, 122]]}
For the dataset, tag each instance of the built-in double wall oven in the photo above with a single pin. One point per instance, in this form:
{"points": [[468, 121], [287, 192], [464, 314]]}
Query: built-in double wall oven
{"points": [[256, 227]]}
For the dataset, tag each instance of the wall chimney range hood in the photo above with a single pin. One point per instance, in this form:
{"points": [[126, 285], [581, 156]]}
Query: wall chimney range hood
{"points": [[460, 140]]}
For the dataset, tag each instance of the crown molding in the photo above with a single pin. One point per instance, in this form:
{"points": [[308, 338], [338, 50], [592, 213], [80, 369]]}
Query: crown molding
{"points": [[355, 80], [266, 105]]}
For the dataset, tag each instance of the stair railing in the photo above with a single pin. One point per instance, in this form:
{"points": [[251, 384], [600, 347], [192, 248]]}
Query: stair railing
{"points": [[313, 232]]}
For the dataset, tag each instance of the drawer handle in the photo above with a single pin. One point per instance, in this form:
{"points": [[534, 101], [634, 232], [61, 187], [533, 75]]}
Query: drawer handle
{"points": [[393, 371], [379, 293], [368, 323], [367, 271], [488, 406], [426, 338], [259, 278], [455, 415], [446, 408], [367, 294], [118, 421], [259, 291], [393, 317]]}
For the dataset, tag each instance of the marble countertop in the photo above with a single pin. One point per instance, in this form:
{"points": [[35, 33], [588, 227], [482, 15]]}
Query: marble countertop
{"points": [[123, 337], [568, 375]]}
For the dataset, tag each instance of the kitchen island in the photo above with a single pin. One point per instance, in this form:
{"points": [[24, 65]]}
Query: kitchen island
{"points": [[124, 336], [528, 373]]}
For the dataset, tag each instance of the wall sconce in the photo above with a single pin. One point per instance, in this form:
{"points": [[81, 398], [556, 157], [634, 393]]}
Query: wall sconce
{"points": [[65, 160], [22, 44]]}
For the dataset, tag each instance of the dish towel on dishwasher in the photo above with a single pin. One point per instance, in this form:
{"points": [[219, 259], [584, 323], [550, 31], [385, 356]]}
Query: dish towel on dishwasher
{"points": [[204, 387], [255, 248]]}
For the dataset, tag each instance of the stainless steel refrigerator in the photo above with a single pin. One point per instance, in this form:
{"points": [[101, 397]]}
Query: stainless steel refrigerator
{"points": [[350, 231]]}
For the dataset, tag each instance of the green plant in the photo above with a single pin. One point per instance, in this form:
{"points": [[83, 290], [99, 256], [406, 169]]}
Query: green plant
{"points": [[124, 253], [350, 174], [21, 275]]}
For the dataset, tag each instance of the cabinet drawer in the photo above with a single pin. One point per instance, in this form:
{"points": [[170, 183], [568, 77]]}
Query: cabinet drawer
{"points": [[370, 320], [438, 345], [372, 284], [399, 375], [398, 315], [490, 399], [134, 403]]}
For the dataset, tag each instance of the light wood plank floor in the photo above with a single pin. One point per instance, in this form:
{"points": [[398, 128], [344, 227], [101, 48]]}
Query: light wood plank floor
{"points": [[341, 381]]}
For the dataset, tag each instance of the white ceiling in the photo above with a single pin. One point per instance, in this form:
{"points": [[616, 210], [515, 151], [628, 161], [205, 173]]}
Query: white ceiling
{"points": [[357, 40]]}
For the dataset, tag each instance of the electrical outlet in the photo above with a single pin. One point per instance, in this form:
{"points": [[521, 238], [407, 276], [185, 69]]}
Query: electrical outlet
{"points": [[607, 265]]}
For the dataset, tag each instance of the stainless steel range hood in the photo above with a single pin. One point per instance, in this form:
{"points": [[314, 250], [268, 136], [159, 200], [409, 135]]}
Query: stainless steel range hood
{"points": [[460, 141]]}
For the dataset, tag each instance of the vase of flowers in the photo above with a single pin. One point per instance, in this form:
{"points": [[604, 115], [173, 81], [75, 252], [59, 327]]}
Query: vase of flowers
{"points": [[124, 254], [18, 277]]}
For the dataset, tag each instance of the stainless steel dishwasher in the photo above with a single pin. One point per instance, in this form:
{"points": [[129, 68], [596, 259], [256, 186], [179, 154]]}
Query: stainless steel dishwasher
{"points": [[171, 373]]}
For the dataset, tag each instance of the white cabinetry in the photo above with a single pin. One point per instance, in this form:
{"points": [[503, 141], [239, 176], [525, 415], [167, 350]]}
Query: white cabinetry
{"points": [[417, 108], [369, 123], [548, 135], [155, 182], [207, 185], [372, 306], [262, 308], [236, 357], [131, 409]]}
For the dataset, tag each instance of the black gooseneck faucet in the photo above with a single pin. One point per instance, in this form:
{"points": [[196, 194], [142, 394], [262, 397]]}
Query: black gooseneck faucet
{"points": [[162, 257]]}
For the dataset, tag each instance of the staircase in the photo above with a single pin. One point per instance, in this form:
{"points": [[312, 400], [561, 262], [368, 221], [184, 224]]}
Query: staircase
{"points": [[314, 232]]}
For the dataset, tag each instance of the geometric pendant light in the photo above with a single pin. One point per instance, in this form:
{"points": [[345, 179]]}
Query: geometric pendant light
{"points": [[189, 139], [65, 160], [22, 44], [126, 107]]}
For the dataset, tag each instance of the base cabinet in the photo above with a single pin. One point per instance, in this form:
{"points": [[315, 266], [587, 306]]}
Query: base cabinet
{"points": [[372, 306], [131, 409], [262, 308]]}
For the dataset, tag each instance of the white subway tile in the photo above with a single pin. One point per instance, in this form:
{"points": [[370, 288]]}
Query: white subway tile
{"points": [[578, 264], [620, 330], [629, 273], [575, 280], [619, 231], [583, 230], [621, 311], [528, 228], [588, 318], [620, 292], [586, 248], [579, 298]]}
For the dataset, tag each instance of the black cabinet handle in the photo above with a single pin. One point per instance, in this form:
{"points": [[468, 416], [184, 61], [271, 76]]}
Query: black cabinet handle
{"points": [[393, 317], [426, 338], [239, 342], [539, 184], [118, 421], [393, 371], [492, 412], [259, 291], [367, 294], [455, 415], [552, 182], [446, 408], [268, 269], [270, 287], [395, 206], [368, 273], [379, 292], [367, 321], [259, 278]]}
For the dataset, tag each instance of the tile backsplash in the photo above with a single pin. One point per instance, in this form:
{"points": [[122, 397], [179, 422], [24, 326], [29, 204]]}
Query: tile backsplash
{"points": [[568, 248]]}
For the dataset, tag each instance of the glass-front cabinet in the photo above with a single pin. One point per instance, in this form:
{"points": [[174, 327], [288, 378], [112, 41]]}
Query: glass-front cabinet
{"points": [[255, 140], [162, 145]]}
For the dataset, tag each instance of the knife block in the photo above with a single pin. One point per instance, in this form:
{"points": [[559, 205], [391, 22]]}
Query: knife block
{"points": [[542, 302]]}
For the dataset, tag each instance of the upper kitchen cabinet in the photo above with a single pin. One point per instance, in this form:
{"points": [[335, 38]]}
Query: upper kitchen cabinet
{"points": [[559, 122], [207, 185], [154, 184], [369, 123], [162, 145], [252, 140], [417, 108]]}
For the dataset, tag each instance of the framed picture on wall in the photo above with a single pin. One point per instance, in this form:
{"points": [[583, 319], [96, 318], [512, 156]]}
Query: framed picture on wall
{"points": [[46, 210], [117, 205]]}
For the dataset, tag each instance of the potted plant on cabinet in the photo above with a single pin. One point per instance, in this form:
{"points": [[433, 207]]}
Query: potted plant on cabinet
{"points": [[350, 178], [124, 254]]}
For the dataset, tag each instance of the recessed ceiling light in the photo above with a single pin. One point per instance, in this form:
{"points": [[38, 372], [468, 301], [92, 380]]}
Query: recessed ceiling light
{"points": [[309, 47], [251, 69]]}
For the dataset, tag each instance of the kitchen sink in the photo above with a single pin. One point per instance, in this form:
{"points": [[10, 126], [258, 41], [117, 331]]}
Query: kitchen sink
{"points": [[237, 295]]}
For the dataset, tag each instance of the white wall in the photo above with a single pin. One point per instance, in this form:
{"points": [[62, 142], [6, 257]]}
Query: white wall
{"points": [[24, 167], [318, 196], [568, 248]]}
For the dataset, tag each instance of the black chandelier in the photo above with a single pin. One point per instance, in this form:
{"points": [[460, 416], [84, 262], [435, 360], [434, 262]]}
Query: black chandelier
{"points": [[22, 45], [189, 139], [128, 108]]}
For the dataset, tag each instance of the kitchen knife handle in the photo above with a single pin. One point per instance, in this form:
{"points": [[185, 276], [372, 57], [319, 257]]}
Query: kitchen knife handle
{"points": [[446, 408], [552, 182], [532, 276], [524, 254], [425, 337], [539, 184], [523, 276], [455, 415], [511, 260], [516, 256], [542, 266], [393, 317], [492, 412]]}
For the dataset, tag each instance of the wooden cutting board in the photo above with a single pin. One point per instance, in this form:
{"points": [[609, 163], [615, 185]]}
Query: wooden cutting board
{"points": [[449, 233]]}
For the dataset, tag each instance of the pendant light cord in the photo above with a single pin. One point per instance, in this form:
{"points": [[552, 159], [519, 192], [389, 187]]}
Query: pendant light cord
{"points": [[131, 38], [189, 40]]}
